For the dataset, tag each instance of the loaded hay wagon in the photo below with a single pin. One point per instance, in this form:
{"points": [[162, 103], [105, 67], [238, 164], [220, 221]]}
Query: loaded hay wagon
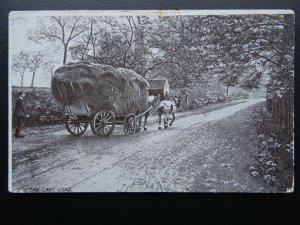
{"points": [[101, 96]]}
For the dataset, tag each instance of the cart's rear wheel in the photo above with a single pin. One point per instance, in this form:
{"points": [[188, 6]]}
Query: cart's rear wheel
{"points": [[129, 124], [75, 126], [103, 123]]}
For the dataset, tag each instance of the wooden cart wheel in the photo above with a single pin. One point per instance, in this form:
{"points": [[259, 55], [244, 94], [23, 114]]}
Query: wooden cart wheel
{"points": [[75, 126], [103, 123], [129, 124]]}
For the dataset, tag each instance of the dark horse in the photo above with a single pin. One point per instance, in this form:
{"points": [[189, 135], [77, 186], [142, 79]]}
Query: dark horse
{"points": [[152, 101]]}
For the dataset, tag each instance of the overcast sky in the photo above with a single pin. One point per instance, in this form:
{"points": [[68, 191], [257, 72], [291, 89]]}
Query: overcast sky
{"points": [[19, 25]]}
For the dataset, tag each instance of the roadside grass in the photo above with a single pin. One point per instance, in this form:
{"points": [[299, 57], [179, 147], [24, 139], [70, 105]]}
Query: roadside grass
{"points": [[274, 156]]}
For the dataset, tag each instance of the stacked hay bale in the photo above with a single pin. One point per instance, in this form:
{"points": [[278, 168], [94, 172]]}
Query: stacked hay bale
{"points": [[105, 88]]}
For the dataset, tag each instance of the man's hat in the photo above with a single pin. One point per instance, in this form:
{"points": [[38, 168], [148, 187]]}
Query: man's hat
{"points": [[21, 92]]}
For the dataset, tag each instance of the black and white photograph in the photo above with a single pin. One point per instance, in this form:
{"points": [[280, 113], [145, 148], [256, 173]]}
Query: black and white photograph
{"points": [[151, 101]]}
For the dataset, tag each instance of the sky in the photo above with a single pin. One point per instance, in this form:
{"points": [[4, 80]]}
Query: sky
{"points": [[18, 27]]}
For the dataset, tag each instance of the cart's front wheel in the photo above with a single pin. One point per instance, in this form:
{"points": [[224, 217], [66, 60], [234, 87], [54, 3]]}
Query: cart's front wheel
{"points": [[103, 123], [129, 125], [75, 126]]}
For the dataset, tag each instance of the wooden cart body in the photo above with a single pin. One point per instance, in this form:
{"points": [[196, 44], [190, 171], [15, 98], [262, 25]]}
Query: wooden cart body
{"points": [[78, 115]]}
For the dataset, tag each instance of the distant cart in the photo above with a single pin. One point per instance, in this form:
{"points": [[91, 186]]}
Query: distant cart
{"points": [[78, 115]]}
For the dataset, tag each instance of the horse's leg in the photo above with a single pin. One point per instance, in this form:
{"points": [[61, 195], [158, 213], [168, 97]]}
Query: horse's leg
{"points": [[166, 120], [145, 121], [159, 119], [139, 122], [172, 119]]}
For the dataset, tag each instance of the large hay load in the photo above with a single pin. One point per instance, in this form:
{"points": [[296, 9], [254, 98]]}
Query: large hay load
{"points": [[104, 87]]}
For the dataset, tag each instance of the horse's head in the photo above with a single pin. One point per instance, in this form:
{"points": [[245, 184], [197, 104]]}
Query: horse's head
{"points": [[175, 100], [154, 100]]}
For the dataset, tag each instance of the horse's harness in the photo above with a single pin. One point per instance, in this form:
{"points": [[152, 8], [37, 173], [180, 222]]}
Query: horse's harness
{"points": [[166, 106]]}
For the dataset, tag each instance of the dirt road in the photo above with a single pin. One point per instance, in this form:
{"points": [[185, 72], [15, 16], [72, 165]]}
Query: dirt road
{"points": [[201, 152]]}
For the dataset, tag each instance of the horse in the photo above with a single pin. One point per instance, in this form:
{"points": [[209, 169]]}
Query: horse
{"points": [[168, 108], [152, 101]]}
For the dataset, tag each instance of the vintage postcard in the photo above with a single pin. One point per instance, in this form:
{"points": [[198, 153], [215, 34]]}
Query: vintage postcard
{"points": [[151, 101]]}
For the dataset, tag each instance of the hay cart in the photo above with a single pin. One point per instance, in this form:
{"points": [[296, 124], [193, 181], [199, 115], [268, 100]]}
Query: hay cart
{"points": [[78, 114]]}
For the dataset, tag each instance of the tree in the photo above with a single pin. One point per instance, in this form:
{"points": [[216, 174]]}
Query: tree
{"points": [[49, 63], [229, 80], [237, 50], [105, 44], [119, 42], [59, 29], [20, 64], [183, 40], [254, 46], [281, 65], [114, 42], [81, 47], [35, 61]]}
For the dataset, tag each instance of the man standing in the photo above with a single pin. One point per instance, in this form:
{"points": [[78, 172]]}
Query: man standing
{"points": [[20, 114]]}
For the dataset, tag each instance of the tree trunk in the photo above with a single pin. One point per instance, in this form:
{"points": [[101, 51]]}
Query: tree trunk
{"points": [[227, 91], [65, 54], [33, 75], [88, 42], [22, 78], [124, 60]]}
